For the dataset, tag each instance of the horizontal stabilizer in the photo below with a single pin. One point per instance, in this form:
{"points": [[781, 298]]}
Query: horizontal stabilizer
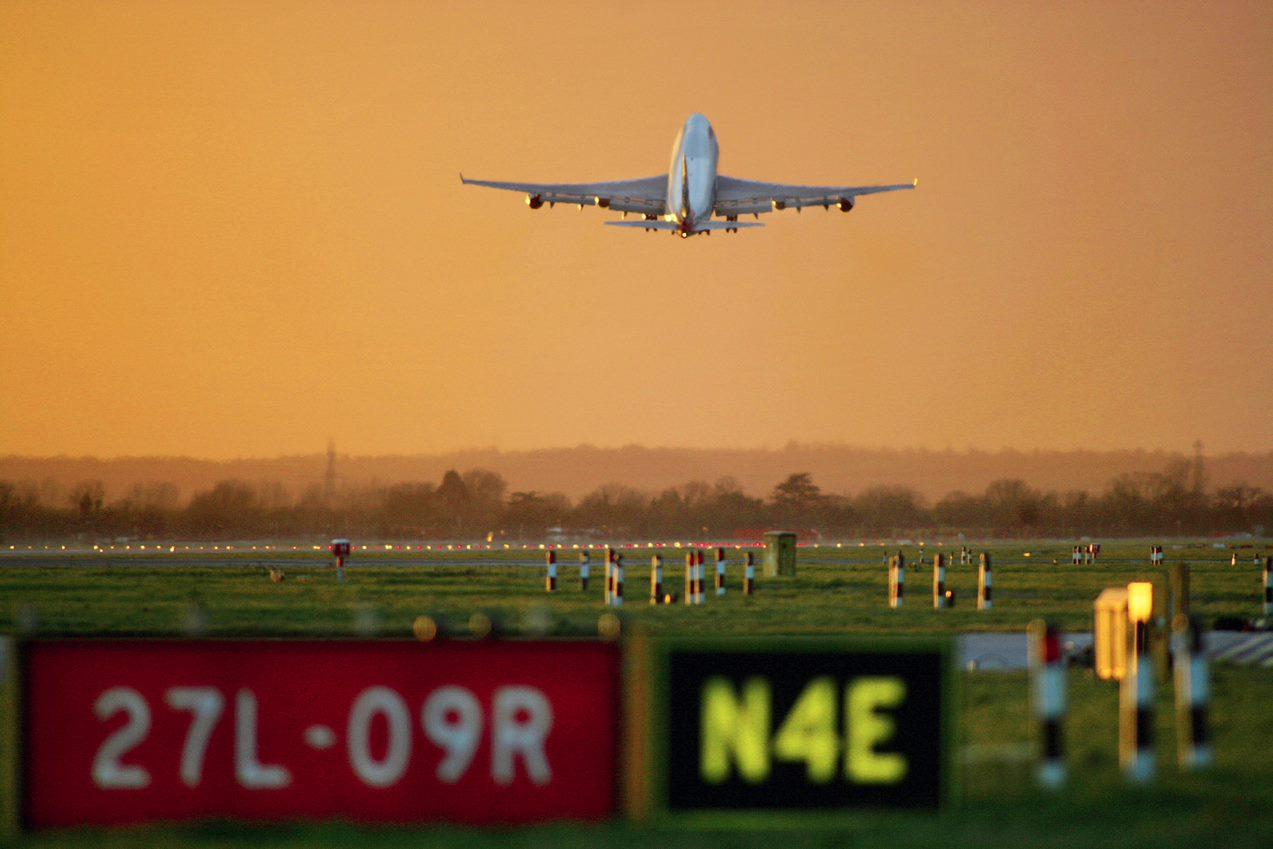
{"points": [[728, 225], [646, 225]]}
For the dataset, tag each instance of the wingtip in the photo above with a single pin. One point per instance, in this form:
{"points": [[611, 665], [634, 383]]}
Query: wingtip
{"points": [[462, 180]]}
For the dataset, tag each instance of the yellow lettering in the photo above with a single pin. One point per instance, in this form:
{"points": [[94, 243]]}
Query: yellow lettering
{"points": [[733, 727], [808, 734], [866, 729]]}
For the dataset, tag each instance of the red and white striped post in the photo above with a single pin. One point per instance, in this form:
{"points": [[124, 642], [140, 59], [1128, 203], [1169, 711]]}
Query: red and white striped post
{"points": [[896, 580], [939, 581], [618, 580], [585, 567], [1268, 586], [1047, 677], [340, 548], [749, 573], [551, 583], [609, 552], [1193, 695], [699, 576], [720, 572], [656, 579], [985, 583], [689, 577], [1136, 708]]}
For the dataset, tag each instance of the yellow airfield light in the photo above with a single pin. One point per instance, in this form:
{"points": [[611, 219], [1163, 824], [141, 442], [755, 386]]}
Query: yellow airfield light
{"points": [[1140, 601]]}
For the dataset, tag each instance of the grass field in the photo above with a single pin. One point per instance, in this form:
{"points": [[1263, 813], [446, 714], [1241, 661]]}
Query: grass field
{"points": [[838, 590]]}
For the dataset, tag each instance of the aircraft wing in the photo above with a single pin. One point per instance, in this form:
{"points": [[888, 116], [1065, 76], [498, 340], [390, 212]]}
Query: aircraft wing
{"points": [[735, 197], [644, 195]]}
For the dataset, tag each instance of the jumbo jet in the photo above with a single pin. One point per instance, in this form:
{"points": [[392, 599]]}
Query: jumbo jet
{"points": [[684, 200]]}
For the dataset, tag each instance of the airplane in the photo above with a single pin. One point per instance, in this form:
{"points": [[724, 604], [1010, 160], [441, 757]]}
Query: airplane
{"points": [[684, 200]]}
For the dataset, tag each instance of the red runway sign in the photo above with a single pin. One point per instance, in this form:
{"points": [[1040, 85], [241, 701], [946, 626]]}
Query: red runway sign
{"points": [[130, 731]]}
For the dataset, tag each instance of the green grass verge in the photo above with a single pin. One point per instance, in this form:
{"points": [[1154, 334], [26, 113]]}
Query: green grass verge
{"points": [[837, 591]]}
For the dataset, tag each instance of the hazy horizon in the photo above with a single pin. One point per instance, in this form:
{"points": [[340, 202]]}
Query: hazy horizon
{"points": [[788, 445], [581, 469]]}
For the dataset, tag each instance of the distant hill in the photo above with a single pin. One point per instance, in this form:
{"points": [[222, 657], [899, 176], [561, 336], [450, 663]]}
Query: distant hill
{"points": [[576, 471]]}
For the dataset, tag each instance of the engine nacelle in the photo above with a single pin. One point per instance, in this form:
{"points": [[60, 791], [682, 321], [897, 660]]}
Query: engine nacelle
{"points": [[604, 203], [846, 204], [779, 205], [534, 201]]}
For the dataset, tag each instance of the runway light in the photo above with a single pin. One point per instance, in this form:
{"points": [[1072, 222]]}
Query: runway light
{"points": [[1140, 601]]}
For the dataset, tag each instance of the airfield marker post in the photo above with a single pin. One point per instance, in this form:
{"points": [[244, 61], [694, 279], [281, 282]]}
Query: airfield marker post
{"points": [[656, 579], [1047, 676], [585, 567], [896, 580], [985, 583], [720, 572], [618, 580], [550, 584], [939, 581], [699, 574], [1268, 586], [1193, 695], [689, 577], [1136, 706], [1177, 595], [340, 548], [749, 573], [609, 574]]}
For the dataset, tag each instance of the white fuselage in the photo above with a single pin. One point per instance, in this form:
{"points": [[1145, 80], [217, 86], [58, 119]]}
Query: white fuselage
{"points": [[691, 179]]}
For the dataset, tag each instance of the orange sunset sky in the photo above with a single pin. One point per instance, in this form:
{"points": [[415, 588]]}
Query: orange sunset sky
{"points": [[237, 229]]}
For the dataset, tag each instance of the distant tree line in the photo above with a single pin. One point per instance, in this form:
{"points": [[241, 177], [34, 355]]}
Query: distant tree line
{"points": [[478, 505]]}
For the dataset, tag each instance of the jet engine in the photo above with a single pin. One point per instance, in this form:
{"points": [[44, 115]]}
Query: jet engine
{"points": [[846, 204], [604, 203], [779, 205], [534, 201]]}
